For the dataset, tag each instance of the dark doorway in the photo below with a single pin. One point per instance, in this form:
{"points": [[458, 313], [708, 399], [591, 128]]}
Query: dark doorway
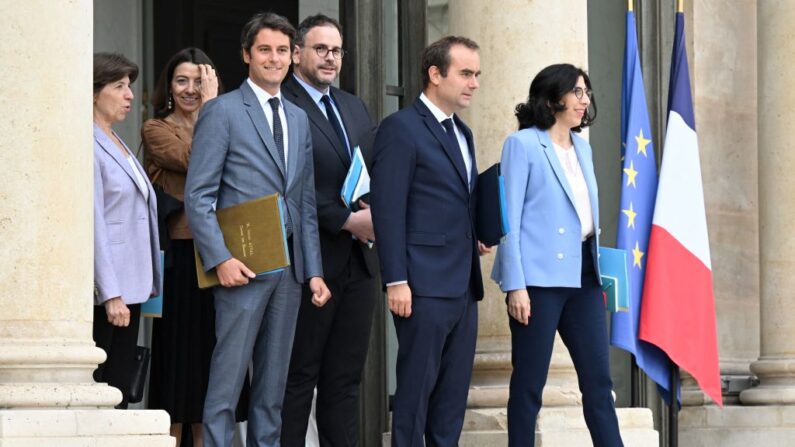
{"points": [[212, 25]]}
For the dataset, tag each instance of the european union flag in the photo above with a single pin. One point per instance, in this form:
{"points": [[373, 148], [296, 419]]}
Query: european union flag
{"points": [[638, 193]]}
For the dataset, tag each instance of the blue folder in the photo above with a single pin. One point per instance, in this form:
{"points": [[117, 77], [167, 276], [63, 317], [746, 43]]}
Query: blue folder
{"points": [[491, 214], [154, 306], [615, 280]]}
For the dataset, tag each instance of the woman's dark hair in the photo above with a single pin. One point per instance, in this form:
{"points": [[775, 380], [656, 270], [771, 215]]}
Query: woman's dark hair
{"points": [[262, 21], [163, 87], [546, 91], [110, 67]]}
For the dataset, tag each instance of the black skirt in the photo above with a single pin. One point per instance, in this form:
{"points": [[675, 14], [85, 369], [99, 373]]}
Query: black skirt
{"points": [[183, 341]]}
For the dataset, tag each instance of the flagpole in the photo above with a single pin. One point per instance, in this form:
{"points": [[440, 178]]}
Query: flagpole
{"points": [[680, 5], [629, 5], [673, 408]]}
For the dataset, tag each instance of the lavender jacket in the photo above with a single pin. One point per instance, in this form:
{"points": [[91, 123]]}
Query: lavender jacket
{"points": [[126, 247]]}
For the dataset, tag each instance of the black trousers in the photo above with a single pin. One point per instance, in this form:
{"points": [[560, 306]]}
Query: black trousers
{"points": [[578, 314], [119, 344], [329, 351]]}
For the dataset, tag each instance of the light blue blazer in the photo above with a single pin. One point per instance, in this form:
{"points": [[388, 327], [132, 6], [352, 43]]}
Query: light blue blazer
{"points": [[544, 246], [126, 244]]}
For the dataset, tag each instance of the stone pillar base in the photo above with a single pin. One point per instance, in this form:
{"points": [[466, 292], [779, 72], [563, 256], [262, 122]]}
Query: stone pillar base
{"points": [[85, 428], [735, 426], [565, 426]]}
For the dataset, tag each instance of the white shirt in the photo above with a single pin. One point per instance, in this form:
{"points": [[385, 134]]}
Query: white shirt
{"points": [[263, 97], [462, 142], [139, 179], [582, 201]]}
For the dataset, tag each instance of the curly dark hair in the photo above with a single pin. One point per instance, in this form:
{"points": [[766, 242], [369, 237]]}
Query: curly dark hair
{"points": [[546, 91]]}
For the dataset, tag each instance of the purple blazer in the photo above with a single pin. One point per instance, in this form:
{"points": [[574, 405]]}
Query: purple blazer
{"points": [[126, 245]]}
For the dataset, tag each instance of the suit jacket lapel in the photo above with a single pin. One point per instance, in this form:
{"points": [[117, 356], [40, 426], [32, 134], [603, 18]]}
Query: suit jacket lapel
{"points": [[471, 143], [552, 157], [257, 115], [112, 149], [439, 133], [294, 157], [301, 98]]}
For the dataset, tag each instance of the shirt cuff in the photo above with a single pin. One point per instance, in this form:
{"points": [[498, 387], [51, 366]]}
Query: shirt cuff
{"points": [[395, 283]]}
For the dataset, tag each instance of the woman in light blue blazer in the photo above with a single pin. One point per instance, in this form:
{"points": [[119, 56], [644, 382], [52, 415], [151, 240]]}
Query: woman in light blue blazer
{"points": [[126, 248], [548, 262]]}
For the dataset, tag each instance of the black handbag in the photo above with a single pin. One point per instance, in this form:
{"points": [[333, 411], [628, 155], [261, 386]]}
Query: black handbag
{"points": [[141, 367]]}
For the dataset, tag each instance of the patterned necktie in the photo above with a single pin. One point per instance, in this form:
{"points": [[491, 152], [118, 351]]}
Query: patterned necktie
{"points": [[335, 123], [278, 137]]}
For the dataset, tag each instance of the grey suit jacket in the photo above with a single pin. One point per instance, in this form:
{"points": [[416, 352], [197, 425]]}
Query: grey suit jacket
{"points": [[234, 160], [126, 247]]}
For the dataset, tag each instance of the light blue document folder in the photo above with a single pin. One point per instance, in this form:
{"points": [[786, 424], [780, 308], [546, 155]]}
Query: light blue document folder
{"points": [[154, 306], [615, 280]]}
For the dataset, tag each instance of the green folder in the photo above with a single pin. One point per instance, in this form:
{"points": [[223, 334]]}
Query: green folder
{"points": [[615, 280]]}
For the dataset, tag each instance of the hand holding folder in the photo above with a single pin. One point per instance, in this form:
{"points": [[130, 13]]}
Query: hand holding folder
{"points": [[356, 186], [254, 234]]}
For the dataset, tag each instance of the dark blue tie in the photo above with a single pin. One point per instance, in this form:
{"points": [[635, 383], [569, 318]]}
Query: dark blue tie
{"points": [[278, 137], [448, 127], [335, 123]]}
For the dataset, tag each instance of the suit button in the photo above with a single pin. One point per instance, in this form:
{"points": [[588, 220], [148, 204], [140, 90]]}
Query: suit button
{"points": [[469, 235], [560, 256], [599, 232], [561, 230]]}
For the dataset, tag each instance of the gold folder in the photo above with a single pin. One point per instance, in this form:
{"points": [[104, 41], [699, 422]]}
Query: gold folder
{"points": [[254, 233]]}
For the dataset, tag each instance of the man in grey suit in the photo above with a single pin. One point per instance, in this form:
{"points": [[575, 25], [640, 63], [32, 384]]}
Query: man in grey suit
{"points": [[249, 143]]}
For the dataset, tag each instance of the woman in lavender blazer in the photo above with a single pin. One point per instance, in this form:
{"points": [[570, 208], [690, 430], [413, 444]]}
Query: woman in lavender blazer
{"points": [[126, 251]]}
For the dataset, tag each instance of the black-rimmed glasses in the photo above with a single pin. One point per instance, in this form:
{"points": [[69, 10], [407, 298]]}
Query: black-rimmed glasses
{"points": [[323, 51]]}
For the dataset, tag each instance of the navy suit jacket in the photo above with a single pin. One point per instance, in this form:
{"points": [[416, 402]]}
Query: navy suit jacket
{"points": [[422, 207], [332, 162]]}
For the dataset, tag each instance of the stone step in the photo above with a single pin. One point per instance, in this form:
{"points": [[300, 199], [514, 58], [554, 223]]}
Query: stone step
{"points": [[557, 427]]}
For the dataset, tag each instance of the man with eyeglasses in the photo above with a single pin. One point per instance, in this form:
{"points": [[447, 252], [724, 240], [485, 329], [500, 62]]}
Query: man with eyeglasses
{"points": [[331, 342]]}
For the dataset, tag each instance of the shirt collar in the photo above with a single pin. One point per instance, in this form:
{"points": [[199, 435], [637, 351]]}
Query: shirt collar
{"points": [[437, 112], [262, 95], [313, 92]]}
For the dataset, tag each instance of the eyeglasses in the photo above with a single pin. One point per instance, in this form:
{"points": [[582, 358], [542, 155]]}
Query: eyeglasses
{"points": [[323, 51], [579, 91]]}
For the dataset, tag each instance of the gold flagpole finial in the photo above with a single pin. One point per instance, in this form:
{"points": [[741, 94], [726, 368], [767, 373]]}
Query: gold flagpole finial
{"points": [[629, 5], [680, 6]]}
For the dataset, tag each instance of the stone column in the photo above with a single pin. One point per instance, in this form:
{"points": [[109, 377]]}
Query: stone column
{"points": [[726, 37], [776, 365], [517, 39], [767, 416], [47, 353]]}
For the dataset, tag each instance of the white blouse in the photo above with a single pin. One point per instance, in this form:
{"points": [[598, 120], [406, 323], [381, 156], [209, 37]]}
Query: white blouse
{"points": [[576, 179], [139, 179]]}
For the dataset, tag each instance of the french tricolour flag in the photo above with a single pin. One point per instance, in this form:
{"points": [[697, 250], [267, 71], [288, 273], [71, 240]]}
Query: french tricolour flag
{"points": [[678, 310]]}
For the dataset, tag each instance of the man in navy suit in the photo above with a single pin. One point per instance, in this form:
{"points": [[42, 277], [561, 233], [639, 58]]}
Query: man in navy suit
{"points": [[423, 178]]}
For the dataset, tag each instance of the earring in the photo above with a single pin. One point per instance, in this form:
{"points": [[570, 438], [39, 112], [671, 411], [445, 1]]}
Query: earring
{"points": [[170, 103]]}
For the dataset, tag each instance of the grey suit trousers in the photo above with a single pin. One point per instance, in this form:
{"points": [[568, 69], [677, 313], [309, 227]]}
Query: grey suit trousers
{"points": [[253, 322]]}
